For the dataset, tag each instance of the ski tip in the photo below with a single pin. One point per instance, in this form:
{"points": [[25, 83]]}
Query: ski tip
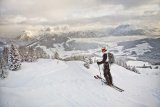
{"points": [[95, 77]]}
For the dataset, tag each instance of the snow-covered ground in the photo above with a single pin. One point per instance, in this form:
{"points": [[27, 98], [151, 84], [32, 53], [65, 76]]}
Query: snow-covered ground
{"points": [[137, 63], [53, 83]]}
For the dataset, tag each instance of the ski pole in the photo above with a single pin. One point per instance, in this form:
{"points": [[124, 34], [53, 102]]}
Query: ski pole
{"points": [[100, 75]]}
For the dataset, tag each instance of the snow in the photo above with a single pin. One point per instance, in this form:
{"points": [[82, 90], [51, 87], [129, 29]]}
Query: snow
{"points": [[54, 83], [59, 46], [137, 63]]}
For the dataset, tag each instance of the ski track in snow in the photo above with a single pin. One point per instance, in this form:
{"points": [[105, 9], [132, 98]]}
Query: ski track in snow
{"points": [[53, 83]]}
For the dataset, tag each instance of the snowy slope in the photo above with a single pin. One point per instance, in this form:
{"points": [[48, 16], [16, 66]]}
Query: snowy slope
{"points": [[53, 83]]}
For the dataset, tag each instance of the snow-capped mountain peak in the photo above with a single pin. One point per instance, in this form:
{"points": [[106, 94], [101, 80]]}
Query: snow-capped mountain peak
{"points": [[25, 35]]}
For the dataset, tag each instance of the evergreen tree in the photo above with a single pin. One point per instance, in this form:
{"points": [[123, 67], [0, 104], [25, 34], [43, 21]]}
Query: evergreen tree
{"points": [[56, 55], [86, 64], [5, 56], [31, 54], [40, 53], [23, 51], [14, 60], [3, 70], [90, 61]]}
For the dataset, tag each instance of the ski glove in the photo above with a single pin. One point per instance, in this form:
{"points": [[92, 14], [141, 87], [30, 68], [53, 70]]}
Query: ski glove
{"points": [[98, 63]]}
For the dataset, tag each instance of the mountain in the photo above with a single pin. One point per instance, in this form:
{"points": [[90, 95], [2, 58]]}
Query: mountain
{"points": [[49, 39], [25, 36], [127, 30]]}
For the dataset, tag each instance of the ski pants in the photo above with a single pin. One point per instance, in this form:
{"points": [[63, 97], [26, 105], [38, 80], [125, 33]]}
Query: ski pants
{"points": [[107, 73]]}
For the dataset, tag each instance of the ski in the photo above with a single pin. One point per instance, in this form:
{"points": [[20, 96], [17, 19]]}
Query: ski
{"points": [[96, 77], [113, 86]]}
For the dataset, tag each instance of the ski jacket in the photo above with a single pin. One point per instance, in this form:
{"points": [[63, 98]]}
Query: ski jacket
{"points": [[104, 59]]}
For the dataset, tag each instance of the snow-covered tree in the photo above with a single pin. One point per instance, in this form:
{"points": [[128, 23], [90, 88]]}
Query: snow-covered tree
{"points": [[56, 55], [4, 63], [128, 67], [31, 54], [3, 70], [90, 61], [40, 53], [14, 61], [86, 64], [5, 56], [52, 56], [23, 51], [135, 70], [121, 62]]}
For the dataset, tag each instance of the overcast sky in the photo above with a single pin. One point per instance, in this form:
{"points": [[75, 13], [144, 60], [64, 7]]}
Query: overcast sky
{"points": [[78, 12]]}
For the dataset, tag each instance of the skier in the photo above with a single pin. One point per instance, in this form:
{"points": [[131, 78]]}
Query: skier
{"points": [[106, 69]]}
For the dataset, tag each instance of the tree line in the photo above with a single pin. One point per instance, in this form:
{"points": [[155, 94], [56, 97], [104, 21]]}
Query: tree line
{"points": [[12, 56]]}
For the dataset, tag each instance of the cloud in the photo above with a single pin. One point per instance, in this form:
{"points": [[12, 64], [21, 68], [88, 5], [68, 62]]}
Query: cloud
{"points": [[79, 12], [129, 3], [9, 20], [51, 9]]}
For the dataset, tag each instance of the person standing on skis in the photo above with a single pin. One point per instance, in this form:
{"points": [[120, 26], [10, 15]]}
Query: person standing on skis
{"points": [[106, 69]]}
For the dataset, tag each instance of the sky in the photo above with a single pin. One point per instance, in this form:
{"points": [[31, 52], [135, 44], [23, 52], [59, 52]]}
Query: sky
{"points": [[19, 14]]}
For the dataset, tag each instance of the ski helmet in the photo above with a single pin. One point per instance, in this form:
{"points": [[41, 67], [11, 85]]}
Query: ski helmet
{"points": [[104, 49]]}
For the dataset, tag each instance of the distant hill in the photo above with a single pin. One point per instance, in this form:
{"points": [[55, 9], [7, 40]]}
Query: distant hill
{"points": [[127, 30], [145, 49]]}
